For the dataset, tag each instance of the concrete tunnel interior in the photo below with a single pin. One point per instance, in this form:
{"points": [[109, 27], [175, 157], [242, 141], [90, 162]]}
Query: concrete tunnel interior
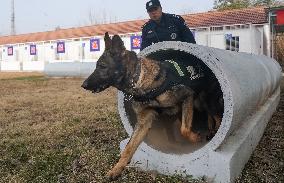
{"points": [[165, 133]]}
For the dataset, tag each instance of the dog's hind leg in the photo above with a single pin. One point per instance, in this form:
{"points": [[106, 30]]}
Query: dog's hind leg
{"points": [[144, 122], [187, 118], [214, 123], [211, 127], [218, 120]]}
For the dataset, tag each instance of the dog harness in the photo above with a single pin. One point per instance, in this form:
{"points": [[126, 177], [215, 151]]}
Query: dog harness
{"points": [[194, 72], [185, 73]]}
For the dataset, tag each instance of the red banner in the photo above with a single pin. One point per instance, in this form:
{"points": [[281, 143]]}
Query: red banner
{"points": [[32, 49], [61, 47], [135, 42], [10, 51], [280, 17], [94, 44]]}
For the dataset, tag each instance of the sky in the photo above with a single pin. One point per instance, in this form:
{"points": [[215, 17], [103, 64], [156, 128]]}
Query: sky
{"points": [[46, 15]]}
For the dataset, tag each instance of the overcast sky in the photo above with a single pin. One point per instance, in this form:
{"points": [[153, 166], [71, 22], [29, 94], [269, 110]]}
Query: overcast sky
{"points": [[44, 15]]}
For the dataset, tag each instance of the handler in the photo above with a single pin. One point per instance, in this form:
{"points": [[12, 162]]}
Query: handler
{"points": [[164, 26]]}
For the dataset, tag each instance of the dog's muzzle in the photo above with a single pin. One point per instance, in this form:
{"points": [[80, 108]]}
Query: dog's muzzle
{"points": [[85, 85], [93, 89]]}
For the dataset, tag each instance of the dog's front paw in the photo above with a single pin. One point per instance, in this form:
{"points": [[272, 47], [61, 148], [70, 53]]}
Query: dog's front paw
{"points": [[114, 173]]}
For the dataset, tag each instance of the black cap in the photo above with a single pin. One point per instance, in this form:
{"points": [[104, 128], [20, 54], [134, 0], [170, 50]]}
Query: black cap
{"points": [[152, 3]]}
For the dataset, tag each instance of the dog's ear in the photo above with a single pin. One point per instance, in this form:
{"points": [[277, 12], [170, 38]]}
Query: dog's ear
{"points": [[107, 41], [117, 44]]}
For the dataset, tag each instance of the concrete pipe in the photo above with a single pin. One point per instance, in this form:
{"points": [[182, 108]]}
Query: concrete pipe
{"points": [[251, 91]]}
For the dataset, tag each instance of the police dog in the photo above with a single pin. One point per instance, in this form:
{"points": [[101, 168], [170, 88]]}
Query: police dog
{"points": [[141, 78]]}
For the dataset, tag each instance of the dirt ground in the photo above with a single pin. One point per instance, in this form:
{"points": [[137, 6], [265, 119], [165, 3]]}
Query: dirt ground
{"points": [[13, 75], [51, 130]]}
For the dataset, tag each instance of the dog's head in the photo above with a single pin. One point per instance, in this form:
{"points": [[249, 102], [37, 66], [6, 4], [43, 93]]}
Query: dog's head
{"points": [[109, 65]]}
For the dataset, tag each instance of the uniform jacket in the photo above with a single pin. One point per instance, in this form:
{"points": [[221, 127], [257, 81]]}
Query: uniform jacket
{"points": [[171, 28]]}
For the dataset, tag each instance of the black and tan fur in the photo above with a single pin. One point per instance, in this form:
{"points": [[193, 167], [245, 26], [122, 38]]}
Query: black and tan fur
{"points": [[122, 69]]}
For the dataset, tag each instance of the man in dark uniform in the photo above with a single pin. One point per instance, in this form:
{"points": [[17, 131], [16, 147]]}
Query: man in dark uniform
{"points": [[186, 68], [163, 26]]}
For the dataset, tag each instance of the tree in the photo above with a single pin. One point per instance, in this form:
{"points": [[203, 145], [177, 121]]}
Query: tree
{"points": [[269, 3], [100, 18], [231, 4], [237, 4], [57, 28]]}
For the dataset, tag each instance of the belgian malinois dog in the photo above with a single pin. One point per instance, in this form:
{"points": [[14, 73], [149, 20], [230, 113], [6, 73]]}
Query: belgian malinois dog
{"points": [[143, 79]]}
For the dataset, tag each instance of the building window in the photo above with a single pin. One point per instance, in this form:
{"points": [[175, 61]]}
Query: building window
{"points": [[201, 29], [216, 28], [233, 43], [245, 26]]}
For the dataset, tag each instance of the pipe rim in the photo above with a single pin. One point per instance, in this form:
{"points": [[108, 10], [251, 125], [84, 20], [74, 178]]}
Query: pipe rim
{"points": [[215, 65]]}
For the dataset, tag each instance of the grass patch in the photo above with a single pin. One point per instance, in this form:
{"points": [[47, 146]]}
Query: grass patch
{"points": [[53, 131], [30, 78]]}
